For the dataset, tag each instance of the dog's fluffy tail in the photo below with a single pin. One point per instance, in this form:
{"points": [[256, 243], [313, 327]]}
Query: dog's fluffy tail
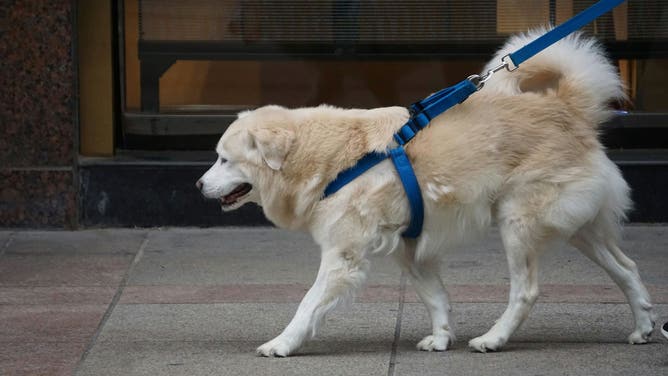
{"points": [[575, 69]]}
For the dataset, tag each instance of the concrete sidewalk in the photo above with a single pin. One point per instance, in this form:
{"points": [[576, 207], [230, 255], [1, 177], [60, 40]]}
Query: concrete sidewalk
{"points": [[199, 301]]}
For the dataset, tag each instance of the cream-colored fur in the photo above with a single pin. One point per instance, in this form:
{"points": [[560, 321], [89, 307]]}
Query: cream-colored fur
{"points": [[523, 153]]}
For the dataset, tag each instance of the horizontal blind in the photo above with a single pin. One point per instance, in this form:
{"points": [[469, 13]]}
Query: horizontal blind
{"points": [[378, 21]]}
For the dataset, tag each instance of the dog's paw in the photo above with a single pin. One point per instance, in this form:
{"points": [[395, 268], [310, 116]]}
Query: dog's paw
{"points": [[275, 347], [642, 334], [486, 343], [434, 343], [639, 337]]}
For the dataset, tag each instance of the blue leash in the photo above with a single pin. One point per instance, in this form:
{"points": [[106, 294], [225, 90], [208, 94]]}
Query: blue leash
{"points": [[575, 23], [424, 111]]}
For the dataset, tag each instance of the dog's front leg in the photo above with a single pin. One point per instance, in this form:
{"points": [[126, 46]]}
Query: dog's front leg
{"points": [[424, 276], [341, 272]]}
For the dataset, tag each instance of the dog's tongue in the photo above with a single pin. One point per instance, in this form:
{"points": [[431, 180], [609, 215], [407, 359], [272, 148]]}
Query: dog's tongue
{"points": [[229, 199], [239, 191]]}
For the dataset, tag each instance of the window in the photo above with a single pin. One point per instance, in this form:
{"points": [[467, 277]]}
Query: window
{"points": [[190, 66]]}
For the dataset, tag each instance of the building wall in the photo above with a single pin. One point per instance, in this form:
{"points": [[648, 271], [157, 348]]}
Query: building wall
{"points": [[37, 114]]}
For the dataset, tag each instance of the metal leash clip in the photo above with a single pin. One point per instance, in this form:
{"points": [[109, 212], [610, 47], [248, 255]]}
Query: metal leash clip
{"points": [[479, 81]]}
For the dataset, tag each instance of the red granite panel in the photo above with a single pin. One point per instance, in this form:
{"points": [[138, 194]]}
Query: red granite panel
{"points": [[37, 199], [37, 80]]}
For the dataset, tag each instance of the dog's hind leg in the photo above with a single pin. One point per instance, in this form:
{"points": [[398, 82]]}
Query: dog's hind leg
{"points": [[603, 250], [425, 278], [522, 240], [341, 273]]}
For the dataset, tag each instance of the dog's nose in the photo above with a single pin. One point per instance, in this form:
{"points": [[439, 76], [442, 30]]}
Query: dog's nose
{"points": [[199, 184]]}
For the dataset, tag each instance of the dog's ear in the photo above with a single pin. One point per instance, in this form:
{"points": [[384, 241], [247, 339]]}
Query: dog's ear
{"points": [[273, 144]]}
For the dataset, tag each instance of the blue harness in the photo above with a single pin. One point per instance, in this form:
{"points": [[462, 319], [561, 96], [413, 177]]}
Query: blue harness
{"points": [[424, 111]]}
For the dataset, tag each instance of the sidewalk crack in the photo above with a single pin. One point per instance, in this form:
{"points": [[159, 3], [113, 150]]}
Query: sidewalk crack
{"points": [[397, 327], [114, 302], [9, 241]]}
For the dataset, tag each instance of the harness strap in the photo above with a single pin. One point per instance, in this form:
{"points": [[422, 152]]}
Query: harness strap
{"points": [[412, 188], [346, 176], [424, 111], [442, 100]]}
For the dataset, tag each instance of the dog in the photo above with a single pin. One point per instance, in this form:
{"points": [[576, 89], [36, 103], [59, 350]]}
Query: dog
{"points": [[522, 153]]}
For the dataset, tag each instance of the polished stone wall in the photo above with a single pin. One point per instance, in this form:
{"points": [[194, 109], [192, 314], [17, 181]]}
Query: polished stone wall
{"points": [[37, 114]]}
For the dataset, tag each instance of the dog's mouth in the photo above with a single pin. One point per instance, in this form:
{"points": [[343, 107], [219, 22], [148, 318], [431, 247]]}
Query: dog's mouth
{"points": [[236, 195]]}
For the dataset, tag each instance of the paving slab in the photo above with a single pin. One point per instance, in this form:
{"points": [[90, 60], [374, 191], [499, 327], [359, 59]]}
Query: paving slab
{"points": [[284, 293], [117, 241], [646, 245], [40, 358], [54, 289], [233, 358], [69, 258], [221, 339], [56, 269], [255, 323], [273, 256], [201, 300], [548, 293], [243, 293], [539, 358], [57, 295], [238, 256], [547, 322], [4, 237], [556, 339], [49, 323], [484, 261]]}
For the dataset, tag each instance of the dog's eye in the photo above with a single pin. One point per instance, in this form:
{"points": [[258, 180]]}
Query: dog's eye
{"points": [[223, 160]]}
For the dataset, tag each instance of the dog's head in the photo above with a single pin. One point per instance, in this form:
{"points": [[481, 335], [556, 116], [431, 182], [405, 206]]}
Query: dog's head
{"points": [[251, 154], [283, 159]]}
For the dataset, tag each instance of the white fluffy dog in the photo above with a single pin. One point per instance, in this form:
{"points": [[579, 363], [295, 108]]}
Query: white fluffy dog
{"points": [[523, 153]]}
